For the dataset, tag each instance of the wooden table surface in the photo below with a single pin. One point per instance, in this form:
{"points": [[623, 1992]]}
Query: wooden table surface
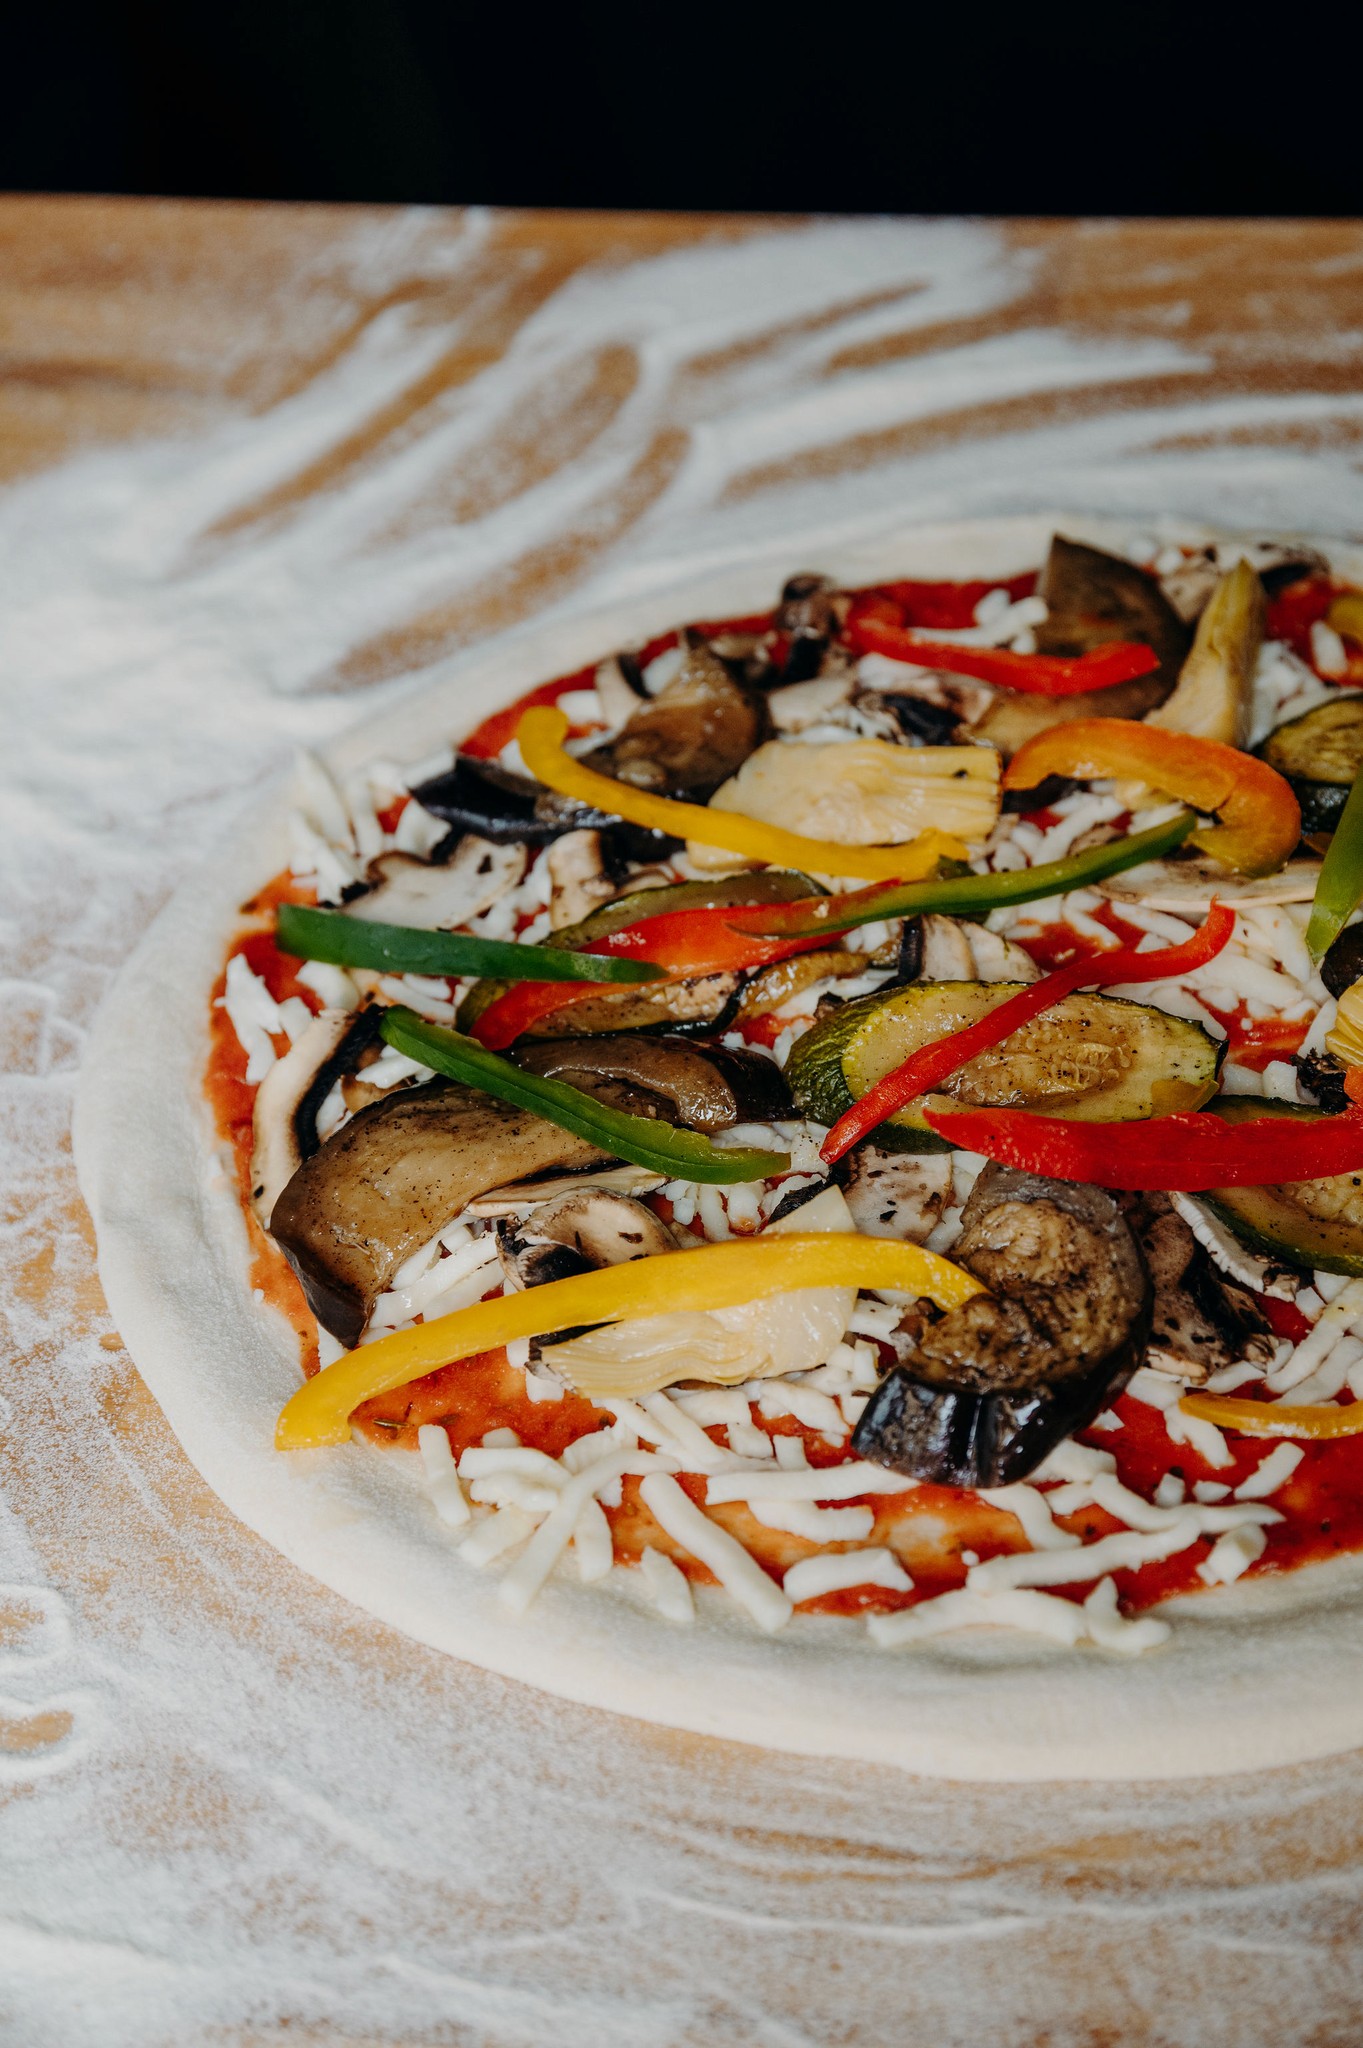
{"points": [[233, 1811]]}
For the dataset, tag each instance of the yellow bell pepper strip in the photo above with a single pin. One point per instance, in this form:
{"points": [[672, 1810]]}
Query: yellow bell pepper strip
{"points": [[963, 894], [1319, 1420], [541, 733], [713, 1276], [316, 934], [1339, 887], [1259, 817], [646, 1140]]}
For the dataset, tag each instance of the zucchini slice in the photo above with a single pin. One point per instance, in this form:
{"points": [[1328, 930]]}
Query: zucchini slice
{"points": [[1320, 753], [1311, 1224], [1096, 1058]]}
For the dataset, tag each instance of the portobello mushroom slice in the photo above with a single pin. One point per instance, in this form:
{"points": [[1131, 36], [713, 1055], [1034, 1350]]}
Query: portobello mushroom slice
{"points": [[438, 895], [897, 1194], [990, 1388], [393, 1177], [580, 1232], [495, 803], [690, 737], [1200, 1319], [1093, 598], [704, 1087]]}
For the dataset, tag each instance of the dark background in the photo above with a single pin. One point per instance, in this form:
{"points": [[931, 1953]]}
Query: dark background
{"points": [[952, 107]]}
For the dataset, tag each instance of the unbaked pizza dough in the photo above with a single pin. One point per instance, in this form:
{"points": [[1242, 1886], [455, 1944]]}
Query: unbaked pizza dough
{"points": [[1267, 1672]]}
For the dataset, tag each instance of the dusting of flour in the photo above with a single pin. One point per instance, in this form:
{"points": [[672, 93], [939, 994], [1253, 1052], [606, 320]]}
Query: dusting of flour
{"points": [[234, 1811]]}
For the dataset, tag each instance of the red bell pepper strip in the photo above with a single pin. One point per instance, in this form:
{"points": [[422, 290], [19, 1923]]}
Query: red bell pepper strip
{"points": [[932, 1064], [875, 626], [682, 943], [1188, 1152]]}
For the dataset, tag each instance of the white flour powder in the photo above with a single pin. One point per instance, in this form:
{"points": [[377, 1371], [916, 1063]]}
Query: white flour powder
{"points": [[271, 1821]]}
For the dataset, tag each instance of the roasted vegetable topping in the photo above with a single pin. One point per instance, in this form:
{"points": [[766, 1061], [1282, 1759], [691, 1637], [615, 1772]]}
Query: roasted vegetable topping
{"points": [[990, 1387], [1259, 818]]}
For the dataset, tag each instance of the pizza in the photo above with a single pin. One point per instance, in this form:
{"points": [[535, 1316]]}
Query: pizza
{"points": [[801, 1177]]}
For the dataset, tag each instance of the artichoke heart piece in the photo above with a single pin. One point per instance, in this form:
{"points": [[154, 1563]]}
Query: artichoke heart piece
{"points": [[784, 1333], [863, 792], [1215, 692], [1093, 1058]]}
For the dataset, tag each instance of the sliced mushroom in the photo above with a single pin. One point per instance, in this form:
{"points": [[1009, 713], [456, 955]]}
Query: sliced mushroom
{"points": [[992, 1386], [619, 687], [1201, 1320], [897, 1194], [690, 737], [704, 1087], [356, 1046], [436, 896], [1093, 598], [577, 1233], [392, 1178], [999, 959], [1190, 882], [275, 1151], [946, 952], [954, 951], [579, 878], [1278, 562]]}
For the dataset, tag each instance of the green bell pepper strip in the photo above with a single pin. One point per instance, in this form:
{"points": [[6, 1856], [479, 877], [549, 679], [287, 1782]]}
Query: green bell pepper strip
{"points": [[681, 1155], [403, 949], [1340, 888], [965, 895]]}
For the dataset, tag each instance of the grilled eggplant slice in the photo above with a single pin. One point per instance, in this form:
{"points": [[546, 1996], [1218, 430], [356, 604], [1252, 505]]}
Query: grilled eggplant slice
{"points": [[393, 1177], [1096, 1058], [1321, 754], [1093, 598], [991, 1387]]}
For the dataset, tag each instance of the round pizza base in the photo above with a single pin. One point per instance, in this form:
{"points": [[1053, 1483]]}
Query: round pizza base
{"points": [[1264, 1673]]}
